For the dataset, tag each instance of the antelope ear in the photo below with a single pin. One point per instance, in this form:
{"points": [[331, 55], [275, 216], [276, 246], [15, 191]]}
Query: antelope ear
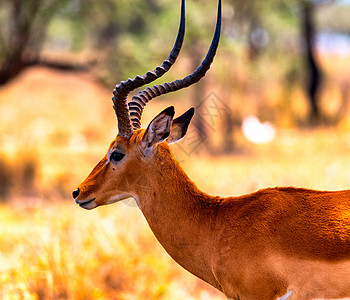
{"points": [[179, 126], [159, 128]]}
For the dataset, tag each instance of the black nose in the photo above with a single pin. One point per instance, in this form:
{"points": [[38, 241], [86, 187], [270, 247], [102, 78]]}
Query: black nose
{"points": [[76, 193]]}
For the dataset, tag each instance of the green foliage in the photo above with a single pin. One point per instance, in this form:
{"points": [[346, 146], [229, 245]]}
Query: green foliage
{"points": [[124, 38], [128, 37], [24, 22]]}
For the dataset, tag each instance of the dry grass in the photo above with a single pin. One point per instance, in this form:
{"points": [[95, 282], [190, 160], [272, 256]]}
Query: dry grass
{"points": [[316, 159], [55, 250], [59, 251]]}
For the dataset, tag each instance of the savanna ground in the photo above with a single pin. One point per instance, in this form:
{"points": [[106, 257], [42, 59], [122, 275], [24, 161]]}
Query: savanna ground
{"points": [[54, 127]]}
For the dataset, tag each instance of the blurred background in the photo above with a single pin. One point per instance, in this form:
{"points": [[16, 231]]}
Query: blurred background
{"points": [[274, 110]]}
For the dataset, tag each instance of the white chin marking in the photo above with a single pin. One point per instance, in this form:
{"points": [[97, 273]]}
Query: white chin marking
{"points": [[117, 198]]}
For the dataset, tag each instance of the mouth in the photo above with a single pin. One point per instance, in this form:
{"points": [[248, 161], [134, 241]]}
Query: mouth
{"points": [[86, 204]]}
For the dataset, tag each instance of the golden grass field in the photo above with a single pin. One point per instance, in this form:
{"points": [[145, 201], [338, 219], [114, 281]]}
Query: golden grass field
{"points": [[54, 128]]}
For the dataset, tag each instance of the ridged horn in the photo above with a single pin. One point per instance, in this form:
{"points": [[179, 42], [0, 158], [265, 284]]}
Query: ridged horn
{"points": [[139, 101], [122, 90]]}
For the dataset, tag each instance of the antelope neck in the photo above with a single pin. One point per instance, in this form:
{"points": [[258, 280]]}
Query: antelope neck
{"points": [[180, 215]]}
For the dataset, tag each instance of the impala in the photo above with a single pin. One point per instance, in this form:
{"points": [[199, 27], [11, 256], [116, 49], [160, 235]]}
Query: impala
{"points": [[277, 242]]}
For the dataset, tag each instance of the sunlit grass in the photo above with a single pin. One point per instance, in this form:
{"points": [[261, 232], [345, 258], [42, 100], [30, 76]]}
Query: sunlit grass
{"points": [[59, 251]]}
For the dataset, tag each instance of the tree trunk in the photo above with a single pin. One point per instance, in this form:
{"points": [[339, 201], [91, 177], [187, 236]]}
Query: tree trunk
{"points": [[200, 122], [228, 133], [314, 76], [27, 22]]}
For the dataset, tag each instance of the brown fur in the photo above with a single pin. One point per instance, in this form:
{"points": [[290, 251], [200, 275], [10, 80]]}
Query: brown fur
{"points": [[256, 246]]}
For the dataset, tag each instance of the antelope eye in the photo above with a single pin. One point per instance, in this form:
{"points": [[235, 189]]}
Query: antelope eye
{"points": [[117, 156]]}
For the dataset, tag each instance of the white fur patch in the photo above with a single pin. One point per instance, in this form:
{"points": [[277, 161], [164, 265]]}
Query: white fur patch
{"points": [[118, 198]]}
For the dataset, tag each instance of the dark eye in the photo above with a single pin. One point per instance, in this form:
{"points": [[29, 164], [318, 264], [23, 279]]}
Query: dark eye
{"points": [[117, 156]]}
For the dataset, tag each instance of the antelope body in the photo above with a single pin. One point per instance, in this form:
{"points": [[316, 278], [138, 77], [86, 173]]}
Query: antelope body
{"points": [[276, 242]]}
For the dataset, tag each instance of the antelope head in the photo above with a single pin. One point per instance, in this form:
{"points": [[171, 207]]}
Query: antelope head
{"points": [[133, 151]]}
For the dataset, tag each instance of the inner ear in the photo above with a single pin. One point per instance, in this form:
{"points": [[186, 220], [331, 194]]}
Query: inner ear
{"points": [[179, 126], [159, 128]]}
